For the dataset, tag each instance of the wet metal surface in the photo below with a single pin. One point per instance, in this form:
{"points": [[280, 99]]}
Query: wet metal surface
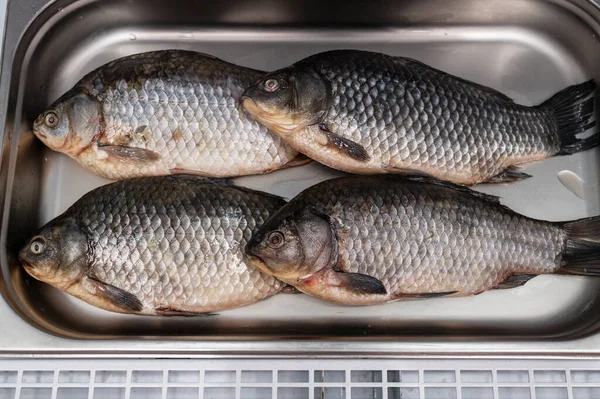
{"points": [[526, 49]]}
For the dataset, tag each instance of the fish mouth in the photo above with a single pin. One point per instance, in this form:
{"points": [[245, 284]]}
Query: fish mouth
{"points": [[250, 105], [277, 120], [37, 131], [257, 111], [23, 262], [28, 268], [258, 263]]}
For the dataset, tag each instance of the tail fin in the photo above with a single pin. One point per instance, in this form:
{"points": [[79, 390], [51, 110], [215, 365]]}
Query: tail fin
{"points": [[573, 108], [581, 255]]}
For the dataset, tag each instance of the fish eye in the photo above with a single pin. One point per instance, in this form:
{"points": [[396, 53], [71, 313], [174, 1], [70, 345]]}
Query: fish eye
{"points": [[276, 240], [38, 245], [271, 85], [51, 119]]}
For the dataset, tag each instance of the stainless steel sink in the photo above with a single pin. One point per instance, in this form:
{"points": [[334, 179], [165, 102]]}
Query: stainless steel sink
{"points": [[526, 49]]}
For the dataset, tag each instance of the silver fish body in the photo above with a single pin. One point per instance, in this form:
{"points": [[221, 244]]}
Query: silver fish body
{"points": [[366, 240], [157, 246], [159, 113], [371, 113]]}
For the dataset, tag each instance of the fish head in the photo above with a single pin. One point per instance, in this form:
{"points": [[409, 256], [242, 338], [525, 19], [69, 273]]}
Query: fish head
{"points": [[70, 124], [287, 100], [294, 247], [57, 254]]}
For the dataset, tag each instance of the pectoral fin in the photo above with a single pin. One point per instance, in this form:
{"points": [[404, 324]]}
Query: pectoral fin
{"points": [[360, 284], [130, 155], [344, 146], [115, 296], [344, 288]]}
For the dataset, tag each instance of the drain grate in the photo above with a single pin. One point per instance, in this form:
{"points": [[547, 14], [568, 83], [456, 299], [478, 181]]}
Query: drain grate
{"points": [[298, 379]]}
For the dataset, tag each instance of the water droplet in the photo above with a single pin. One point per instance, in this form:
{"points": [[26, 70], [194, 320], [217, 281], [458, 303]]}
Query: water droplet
{"points": [[60, 9], [132, 37], [572, 182]]}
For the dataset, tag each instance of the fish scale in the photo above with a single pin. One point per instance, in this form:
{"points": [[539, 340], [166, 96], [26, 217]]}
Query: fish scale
{"points": [[371, 113], [415, 236], [178, 111], [174, 243]]}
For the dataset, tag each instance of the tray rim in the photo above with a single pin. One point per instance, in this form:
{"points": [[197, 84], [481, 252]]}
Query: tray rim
{"points": [[50, 345]]}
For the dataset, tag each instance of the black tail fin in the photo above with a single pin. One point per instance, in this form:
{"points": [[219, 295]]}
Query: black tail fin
{"points": [[581, 255], [573, 108]]}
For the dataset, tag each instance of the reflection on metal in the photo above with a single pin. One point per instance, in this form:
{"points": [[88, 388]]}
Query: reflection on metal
{"points": [[526, 49]]}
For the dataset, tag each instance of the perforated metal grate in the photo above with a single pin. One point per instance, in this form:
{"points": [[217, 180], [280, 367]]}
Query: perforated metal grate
{"points": [[298, 379], [67, 378]]}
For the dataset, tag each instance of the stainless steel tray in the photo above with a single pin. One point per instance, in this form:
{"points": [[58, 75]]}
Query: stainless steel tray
{"points": [[526, 49]]}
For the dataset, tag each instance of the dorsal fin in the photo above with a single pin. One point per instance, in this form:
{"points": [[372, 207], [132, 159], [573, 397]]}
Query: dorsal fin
{"points": [[443, 183], [226, 182], [486, 89]]}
